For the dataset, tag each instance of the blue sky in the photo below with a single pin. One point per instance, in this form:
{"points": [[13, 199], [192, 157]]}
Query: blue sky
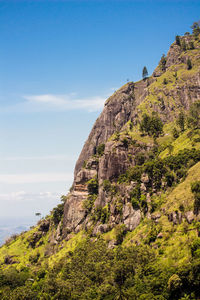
{"points": [[59, 61]]}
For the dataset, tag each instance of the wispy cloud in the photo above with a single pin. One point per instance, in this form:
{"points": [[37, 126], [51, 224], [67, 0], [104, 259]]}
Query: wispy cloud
{"points": [[66, 102], [51, 102], [35, 178], [21, 196], [46, 157]]}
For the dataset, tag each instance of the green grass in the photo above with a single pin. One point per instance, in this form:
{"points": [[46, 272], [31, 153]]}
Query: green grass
{"points": [[182, 193], [65, 247], [182, 142]]}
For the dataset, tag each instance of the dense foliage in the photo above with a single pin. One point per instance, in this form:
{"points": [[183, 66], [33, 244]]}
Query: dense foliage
{"points": [[93, 271], [151, 125]]}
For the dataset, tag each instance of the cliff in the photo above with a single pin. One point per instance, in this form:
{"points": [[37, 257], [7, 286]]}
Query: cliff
{"points": [[130, 226], [171, 88]]}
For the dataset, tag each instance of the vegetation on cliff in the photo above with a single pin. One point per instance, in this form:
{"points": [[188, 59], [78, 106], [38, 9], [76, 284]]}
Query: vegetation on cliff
{"points": [[130, 226]]}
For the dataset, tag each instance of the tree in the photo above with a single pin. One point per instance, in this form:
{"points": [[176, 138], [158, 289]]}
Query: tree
{"points": [[195, 188], [38, 215], [144, 72], [152, 125], [92, 186], [181, 121], [178, 41], [164, 81], [194, 115], [175, 133], [145, 123], [189, 64], [184, 46], [196, 28], [163, 61], [191, 46]]}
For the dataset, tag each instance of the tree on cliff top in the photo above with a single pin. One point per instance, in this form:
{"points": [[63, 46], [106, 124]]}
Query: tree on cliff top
{"points": [[144, 72]]}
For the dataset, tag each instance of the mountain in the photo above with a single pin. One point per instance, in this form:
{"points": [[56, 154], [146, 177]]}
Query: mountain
{"points": [[130, 226]]}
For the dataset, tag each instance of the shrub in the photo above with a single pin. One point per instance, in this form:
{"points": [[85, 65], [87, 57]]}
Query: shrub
{"points": [[57, 213], [89, 202], [155, 170], [152, 125], [195, 28], [195, 247], [101, 214], [135, 197], [92, 186], [181, 173], [183, 45], [181, 208], [140, 158], [105, 214], [174, 284], [34, 258], [181, 121], [143, 201], [163, 62], [178, 41], [134, 174], [195, 188], [135, 203], [120, 233], [191, 46], [152, 235], [164, 81], [100, 149], [169, 176], [194, 115], [107, 185], [189, 64], [125, 142], [175, 133]]}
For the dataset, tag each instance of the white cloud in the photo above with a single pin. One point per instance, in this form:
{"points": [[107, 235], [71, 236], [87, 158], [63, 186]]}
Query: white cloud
{"points": [[66, 102], [21, 196], [51, 102], [35, 178], [46, 157]]}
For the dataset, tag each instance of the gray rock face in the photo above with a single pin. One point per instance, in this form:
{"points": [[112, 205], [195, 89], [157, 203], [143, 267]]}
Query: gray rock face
{"points": [[116, 113], [189, 216], [131, 217], [74, 213]]}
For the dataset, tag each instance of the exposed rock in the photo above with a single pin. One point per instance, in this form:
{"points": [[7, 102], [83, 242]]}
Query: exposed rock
{"points": [[143, 187], [145, 178], [112, 244], [102, 228], [74, 213], [120, 151], [115, 114], [131, 217], [113, 163], [58, 232], [189, 216], [155, 216], [175, 217], [160, 235]]}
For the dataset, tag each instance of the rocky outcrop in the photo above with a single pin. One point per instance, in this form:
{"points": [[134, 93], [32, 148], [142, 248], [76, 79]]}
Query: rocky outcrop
{"points": [[116, 113], [113, 204]]}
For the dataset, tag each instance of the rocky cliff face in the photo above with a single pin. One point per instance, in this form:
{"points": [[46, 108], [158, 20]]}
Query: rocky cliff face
{"points": [[111, 148]]}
